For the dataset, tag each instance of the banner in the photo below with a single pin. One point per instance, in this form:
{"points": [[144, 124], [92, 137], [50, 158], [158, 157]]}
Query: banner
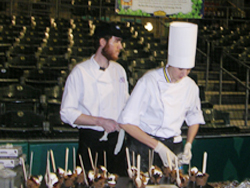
{"points": [[161, 8]]}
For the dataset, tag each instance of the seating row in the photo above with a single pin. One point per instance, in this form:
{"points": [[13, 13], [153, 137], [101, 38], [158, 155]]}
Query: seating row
{"points": [[25, 109]]}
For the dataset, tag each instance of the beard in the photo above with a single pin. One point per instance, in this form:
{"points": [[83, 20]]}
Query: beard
{"points": [[106, 52]]}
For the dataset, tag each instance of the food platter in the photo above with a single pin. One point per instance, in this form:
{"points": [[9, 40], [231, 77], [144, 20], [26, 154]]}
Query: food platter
{"points": [[162, 186]]}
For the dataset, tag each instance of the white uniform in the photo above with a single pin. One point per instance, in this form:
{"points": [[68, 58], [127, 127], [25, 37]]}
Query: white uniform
{"points": [[160, 108], [91, 91]]}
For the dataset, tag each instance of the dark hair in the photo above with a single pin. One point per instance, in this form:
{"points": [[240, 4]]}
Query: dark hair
{"points": [[97, 41]]}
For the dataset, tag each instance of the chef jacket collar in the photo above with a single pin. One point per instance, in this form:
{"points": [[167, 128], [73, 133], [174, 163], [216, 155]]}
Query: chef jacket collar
{"points": [[101, 76], [167, 73], [97, 66]]}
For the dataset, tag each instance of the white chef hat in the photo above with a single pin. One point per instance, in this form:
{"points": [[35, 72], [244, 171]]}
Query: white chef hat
{"points": [[182, 44]]}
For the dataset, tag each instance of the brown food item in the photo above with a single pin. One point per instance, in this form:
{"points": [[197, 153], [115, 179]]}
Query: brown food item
{"points": [[54, 180], [60, 175], [79, 175], [166, 171], [69, 180], [201, 179], [184, 180], [112, 180], [156, 174], [173, 176], [80, 178], [34, 182], [96, 180], [103, 171], [99, 183], [144, 180], [193, 173], [57, 185]]}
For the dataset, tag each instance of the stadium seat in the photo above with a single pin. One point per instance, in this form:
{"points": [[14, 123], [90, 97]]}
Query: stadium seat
{"points": [[53, 101], [23, 62], [81, 52], [42, 78], [54, 62], [9, 76]]}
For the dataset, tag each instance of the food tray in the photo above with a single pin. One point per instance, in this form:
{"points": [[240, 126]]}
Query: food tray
{"points": [[162, 186]]}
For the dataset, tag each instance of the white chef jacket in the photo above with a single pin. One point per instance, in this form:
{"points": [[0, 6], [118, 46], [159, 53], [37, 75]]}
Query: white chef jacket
{"points": [[160, 108], [91, 91]]}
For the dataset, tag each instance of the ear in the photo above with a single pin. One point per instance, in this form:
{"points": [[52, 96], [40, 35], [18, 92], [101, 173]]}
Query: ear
{"points": [[102, 42]]}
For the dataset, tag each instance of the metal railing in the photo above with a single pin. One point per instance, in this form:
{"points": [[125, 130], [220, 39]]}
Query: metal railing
{"points": [[245, 85], [207, 56]]}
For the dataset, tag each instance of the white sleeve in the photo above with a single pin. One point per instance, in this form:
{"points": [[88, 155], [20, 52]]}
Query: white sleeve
{"points": [[136, 104], [195, 115], [73, 90]]}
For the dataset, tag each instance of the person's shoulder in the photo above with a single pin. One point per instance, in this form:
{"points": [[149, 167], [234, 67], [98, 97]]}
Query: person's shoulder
{"points": [[117, 67], [80, 67], [190, 82], [82, 64], [85, 62], [153, 73]]}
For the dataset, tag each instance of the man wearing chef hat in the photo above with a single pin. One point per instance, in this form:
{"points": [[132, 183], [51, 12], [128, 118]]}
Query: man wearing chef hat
{"points": [[95, 93], [162, 100]]}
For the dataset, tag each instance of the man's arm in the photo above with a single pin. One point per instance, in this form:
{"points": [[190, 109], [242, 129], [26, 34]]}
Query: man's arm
{"points": [[187, 153], [192, 131], [109, 125]]}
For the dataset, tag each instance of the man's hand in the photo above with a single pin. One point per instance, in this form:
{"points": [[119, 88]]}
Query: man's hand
{"points": [[187, 154], [166, 155], [108, 125]]}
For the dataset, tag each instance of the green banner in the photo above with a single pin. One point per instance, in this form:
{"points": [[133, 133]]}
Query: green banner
{"points": [[161, 8]]}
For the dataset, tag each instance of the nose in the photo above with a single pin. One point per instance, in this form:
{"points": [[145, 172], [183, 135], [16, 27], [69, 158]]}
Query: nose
{"points": [[120, 45]]}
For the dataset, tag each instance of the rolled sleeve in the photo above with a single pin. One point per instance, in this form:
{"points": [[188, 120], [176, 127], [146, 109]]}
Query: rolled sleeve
{"points": [[69, 119], [69, 111], [195, 115]]}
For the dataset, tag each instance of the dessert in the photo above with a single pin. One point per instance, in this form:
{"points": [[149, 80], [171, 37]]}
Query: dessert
{"points": [[144, 178], [96, 180], [54, 180], [103, 171], [193, 173], [173, 176], [69, 179], [201, 179], [112, 180], [155, 174], [79, 175], [60, 175], [184, 180], [166, 171], [34, 181]]}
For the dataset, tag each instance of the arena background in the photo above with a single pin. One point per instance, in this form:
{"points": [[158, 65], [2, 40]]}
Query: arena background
{"points": [[41, 41]]}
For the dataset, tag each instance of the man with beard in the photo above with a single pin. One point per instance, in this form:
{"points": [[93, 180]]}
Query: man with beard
{"points": [[95, 92]]}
